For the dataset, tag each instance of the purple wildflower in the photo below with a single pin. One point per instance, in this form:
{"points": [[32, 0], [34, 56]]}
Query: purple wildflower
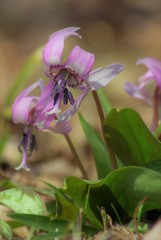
{"points": [[74, 73], [31, 111], [143, 91]]}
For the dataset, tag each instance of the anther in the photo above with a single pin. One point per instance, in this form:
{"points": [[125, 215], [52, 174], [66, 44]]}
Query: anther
{"points": [[22, 143], [56, 96], [32, 145], [71, 98], [65, 97]]}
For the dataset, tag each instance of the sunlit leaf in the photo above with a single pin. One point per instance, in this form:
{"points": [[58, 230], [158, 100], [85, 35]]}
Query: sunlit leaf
{"points": [[22, 201], [99, 150]]}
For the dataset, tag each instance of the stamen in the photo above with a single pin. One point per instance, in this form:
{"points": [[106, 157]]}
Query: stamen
{"points": [[54, 89], [71, 98], [56, 97], [31, 145], [27, 143], [65, 98], [22, 143]]}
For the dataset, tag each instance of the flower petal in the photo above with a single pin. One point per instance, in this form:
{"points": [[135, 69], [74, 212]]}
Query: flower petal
{"points": [[24, 93], [80, 61], [66, 115], [102, 76], [21, 111], [61, 127], [23, 163], [53, 49], [154, 66], [137, 92], [23, 104]]}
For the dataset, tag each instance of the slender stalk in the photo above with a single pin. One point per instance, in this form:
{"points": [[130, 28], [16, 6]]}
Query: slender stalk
{"points": [[155, 122], [99, 107], [78, 161], [102, 118]]}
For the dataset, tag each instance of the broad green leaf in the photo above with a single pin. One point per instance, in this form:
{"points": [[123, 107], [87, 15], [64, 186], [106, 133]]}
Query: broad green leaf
{"points": [[92, 195], [99, 150], [154, 165], [22, 201], [5, 230], [28, 68], [104, 102], [130, 139], [122, 189]]}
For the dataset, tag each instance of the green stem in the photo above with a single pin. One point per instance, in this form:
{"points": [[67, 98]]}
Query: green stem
{"points": [[155, 122], [78, 161], [102, 118]]}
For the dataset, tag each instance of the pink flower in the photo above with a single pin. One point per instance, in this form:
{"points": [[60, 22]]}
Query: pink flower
{"points": [[141, 90], [31, 111], [74, 73]]}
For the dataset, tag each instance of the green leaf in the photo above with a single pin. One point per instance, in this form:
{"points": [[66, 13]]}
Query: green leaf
{"points": [[104, 102], [5, 230], [130, 139], [28, 68], [121, 190], [65, 209], [42, 222], [99, 150], [6, 183], [22, 201], [154, 165], [48, 236]]}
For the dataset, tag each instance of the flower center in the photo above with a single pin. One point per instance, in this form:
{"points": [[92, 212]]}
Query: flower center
{"points": [[66, 78]]}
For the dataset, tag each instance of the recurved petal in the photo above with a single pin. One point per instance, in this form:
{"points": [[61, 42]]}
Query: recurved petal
{"points": [[102, 76], [154, 66], [66, 115], [53, 49], [80, 61], [137, 92], [25, 92], [21, 111]]}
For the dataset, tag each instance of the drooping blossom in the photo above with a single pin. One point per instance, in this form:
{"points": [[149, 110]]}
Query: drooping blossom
{"points": [[31, 111], [144, 90], [74, 73]]}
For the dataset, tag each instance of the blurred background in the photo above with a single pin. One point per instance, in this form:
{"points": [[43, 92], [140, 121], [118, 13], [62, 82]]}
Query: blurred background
{"points": [[119, 31]]}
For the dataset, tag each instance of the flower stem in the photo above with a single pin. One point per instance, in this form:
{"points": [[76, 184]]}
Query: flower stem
{"points": [[102, 118], [77, 159], [155, 121], [99, 107]]}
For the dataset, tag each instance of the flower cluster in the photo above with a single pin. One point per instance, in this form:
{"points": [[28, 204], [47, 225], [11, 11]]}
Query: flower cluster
{"points": [[45, 112]]}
